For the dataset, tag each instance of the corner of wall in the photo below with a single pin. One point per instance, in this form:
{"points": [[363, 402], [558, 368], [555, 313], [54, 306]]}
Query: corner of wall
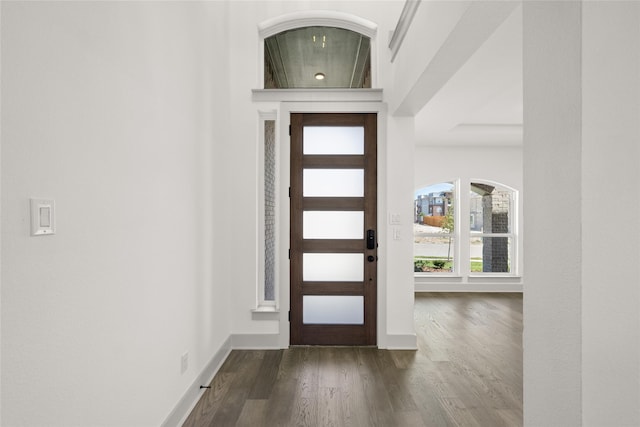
{"points": [[256, 341], [191, 397]]}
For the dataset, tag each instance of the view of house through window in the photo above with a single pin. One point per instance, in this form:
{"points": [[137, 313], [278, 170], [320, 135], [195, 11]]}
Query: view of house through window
{"points": [[434, 229], [490, 234]]}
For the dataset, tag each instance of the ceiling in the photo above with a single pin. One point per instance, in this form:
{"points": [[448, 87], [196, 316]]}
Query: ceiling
{"points": [[481, 103], [294, 57]]}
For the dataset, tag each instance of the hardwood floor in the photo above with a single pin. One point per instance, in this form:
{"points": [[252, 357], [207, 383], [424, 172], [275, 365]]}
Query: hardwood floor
{"points": [[467, 372]]}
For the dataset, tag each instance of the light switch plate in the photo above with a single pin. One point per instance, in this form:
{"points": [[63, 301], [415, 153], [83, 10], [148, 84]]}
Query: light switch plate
{"points": [[396, 234], [43, 217], [394, 219]]}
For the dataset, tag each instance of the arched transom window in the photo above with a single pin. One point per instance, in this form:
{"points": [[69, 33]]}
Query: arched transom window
{"points": [[317, 57]]}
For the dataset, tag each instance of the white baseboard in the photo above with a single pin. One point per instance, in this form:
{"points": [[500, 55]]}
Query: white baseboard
{"points": [[401, 342], [255, 341], [272, 342], [178, 416]]}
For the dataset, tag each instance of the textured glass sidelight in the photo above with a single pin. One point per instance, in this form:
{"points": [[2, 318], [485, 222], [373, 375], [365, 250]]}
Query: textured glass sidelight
{"points": [[269, 209], [333, 182], [332, 225], [333, 309], [333, 267], [333, 140]]}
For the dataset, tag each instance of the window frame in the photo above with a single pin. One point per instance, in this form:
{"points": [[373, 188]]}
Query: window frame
{"points": [[462, 234], [322, 18], [512, 235]]}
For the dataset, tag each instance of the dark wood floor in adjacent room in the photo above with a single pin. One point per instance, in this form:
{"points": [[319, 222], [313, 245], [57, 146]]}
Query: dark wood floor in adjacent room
{"points": [[467, 372]]}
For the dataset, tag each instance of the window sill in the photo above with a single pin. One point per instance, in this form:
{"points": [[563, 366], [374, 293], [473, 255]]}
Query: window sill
{"points": [[495, 278], [335, 95], [468, 283], [265, 312], [437, 276], [471, 276], [266, 309]]}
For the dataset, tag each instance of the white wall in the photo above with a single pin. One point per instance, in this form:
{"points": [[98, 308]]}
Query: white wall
{"points": [[399, 262], [1, 216], [582, 103], [552, 177], [437, 163], [116, 111], [610, 212]]}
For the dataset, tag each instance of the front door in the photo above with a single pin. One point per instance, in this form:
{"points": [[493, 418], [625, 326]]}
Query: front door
{"points": [[333, 229]]}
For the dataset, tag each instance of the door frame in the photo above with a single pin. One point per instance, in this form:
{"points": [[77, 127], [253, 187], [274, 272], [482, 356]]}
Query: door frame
{"points": [[283, 206]]}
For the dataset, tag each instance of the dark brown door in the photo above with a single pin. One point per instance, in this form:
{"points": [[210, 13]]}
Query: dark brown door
{"points": [[333, 229]]}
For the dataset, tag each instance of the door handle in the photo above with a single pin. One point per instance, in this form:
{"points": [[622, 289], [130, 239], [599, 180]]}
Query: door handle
{"points": [[371, 239]]}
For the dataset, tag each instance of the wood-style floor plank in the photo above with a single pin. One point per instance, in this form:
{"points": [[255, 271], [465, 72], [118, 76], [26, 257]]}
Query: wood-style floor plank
{"points": [[265, 381], [253, 413], [247, 368], [467, 371]]}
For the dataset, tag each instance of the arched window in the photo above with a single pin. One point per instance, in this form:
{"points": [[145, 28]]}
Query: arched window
{"points": [[434, 229], [318, 49], [445, 244], [317, 57]]}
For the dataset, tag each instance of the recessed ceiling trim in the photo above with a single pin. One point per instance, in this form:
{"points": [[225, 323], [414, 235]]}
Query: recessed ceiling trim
{"points": [[317, 18]]}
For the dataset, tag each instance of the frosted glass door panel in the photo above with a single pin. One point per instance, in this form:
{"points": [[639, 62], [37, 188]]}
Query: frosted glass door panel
{"points": [[332, 225], [333, 183], [333, 309], [333, 267], [333, 140]]}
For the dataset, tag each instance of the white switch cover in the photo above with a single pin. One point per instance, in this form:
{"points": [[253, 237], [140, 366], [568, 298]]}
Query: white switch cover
{"points": [[394, 219], [43, 217], [396, 234]]}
